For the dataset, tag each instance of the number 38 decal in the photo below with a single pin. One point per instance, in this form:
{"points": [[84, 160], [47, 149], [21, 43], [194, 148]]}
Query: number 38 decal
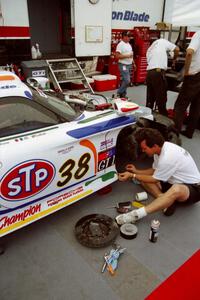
{"points": [[69, 165]]}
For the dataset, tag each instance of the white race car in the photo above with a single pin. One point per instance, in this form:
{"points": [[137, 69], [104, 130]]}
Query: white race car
{"points": [[52, 155]]}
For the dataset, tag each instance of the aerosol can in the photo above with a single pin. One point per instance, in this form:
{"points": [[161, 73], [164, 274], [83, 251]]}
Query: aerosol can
{"points": [[39, 54], [33, 52], [153, 235]]}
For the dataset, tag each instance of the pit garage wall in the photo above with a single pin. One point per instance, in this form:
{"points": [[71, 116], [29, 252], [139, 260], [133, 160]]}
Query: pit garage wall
{"points": [[14, 22]]}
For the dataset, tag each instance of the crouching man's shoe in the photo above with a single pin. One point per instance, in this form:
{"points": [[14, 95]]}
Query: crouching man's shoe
{"points": [[169, 211], [130, 217]]}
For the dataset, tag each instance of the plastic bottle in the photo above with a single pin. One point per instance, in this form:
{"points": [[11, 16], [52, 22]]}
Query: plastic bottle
{"points": [[39, 54], [153, 235], [33, 52]]}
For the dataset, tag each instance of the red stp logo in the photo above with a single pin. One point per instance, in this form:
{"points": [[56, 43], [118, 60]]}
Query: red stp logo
{"points": [[26, 180]]}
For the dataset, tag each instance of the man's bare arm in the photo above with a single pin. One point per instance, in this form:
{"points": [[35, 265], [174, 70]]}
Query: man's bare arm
{"points": [[145, 178], [176, 52], [131, 168], [188, 60], [121, 56]]}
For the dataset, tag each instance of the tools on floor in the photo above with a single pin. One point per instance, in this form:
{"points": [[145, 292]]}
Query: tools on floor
{"points": [[123, 207], [111, 260]]}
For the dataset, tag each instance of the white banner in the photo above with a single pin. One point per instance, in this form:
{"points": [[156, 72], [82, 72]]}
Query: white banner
{"points": [[127, 14], [14, 13], [182, 12]]}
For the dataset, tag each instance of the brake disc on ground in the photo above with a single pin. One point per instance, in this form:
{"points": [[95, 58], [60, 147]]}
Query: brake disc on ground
{"points": [[96, 230]]}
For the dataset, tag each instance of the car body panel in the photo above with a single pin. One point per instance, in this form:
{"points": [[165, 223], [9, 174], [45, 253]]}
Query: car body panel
{"points": [[44, 170]]}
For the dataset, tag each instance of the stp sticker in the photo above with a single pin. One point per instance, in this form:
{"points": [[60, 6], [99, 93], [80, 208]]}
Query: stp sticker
{"points": [[26, 180]]}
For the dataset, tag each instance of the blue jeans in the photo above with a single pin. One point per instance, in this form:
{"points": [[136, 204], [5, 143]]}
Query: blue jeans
{"points": [[125, 74]]}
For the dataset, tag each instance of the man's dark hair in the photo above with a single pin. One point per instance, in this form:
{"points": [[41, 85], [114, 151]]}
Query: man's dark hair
{"points": [[126, 33], [150, 135]]}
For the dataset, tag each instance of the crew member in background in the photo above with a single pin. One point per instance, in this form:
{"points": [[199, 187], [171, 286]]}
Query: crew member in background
{"points": [[190, 90], [174, 176], [124, 54], [157, 60]]}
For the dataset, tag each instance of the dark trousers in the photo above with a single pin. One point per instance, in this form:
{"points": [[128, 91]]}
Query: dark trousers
{"points": [[189, 95], [156, 90]]}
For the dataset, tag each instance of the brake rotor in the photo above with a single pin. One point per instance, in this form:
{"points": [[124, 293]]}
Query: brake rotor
{"points": [[96, 230]]}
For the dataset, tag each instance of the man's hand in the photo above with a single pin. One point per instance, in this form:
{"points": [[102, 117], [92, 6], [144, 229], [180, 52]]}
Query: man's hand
{"points": [[124, 176], [173, 65], [131, 168], [130, 55]]}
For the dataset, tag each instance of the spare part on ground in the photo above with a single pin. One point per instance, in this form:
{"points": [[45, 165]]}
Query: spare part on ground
{"points": [[96, 230], [128, 231]]}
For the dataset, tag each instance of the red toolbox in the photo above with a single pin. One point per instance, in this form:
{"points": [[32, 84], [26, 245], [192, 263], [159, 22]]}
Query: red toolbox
{"points": [[141, 71], [105, 82]]}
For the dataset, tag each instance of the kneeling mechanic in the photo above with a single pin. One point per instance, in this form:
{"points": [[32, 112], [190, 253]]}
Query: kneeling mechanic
{"points": [[174, 176]]}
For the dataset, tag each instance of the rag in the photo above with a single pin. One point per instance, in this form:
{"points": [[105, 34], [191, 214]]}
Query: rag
{"points": [[130, 217]]}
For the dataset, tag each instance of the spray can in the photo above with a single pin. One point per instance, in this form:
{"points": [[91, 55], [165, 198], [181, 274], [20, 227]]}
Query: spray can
{"points": [[33, 52], [39, 54], [153, 235]]}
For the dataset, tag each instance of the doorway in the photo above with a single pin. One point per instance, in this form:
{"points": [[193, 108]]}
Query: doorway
{"points": [[50, 21]]}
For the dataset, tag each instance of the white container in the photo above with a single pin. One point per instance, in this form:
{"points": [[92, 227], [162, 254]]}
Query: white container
{"points": [[141, 196], [39, 54], [104, 77], [40, 82], [33, 52]]}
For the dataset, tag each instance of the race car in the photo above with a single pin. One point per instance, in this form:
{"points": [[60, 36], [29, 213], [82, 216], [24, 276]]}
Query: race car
{"points": [[52, 154]]}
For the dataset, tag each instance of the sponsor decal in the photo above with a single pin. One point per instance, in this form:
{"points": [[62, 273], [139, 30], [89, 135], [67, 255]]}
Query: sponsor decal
{"points": [[26, 179], [28, 94], [103, 178], [21, 139], [37, 73], [128, 15], [65, 196], [22, 216], [106, 144], [38, 134], [66, 150], [106, 159], [101, 127], [8, 87]]}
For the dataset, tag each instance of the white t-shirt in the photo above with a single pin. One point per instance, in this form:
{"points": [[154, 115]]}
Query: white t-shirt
{"points": [[157, 54], [125, 48], [195, 45], [175, 165]]}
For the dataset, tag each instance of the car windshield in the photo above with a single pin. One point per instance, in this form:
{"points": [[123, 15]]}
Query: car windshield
{"points": [[20, 114]]}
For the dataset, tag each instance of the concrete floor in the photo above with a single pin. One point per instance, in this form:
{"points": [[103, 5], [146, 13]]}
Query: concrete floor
{"points": [[45, 261]]}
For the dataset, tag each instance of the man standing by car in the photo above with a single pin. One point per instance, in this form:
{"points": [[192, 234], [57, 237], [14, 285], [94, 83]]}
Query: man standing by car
{"points": [[174, 176], [157, 61], [190, 90], [124, 54]]}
